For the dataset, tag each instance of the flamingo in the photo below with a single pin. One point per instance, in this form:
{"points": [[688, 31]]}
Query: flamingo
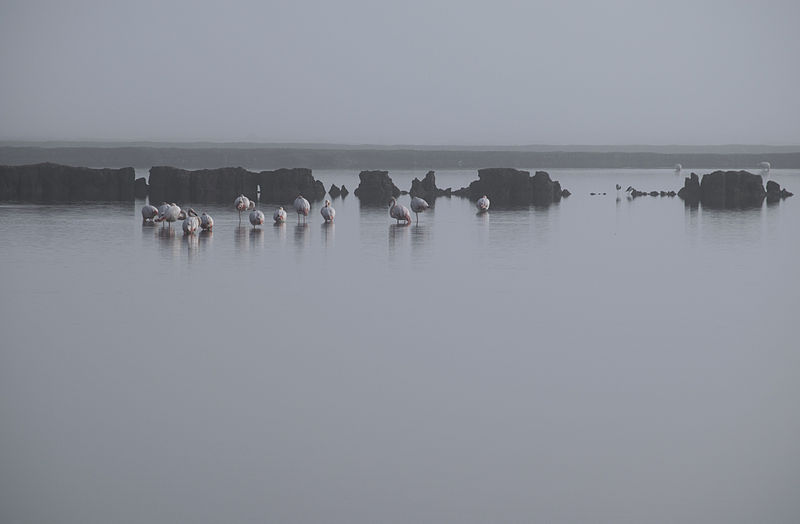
{"points": [[149, 213], [302, 207], [483, 203], [398, 212], [418, 205], [170, 214], [206, 222], [242, 203], [678, 169], [327, 211], [162, 210], [191, 222], [279, 216], [256, 216]]}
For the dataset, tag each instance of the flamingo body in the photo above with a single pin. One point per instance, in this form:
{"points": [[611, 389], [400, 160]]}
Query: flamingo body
{"points": [[327, 212], [256, 218], [149, 213], [483, 203], [398, 212], [302, 206], [418, 205], [279, 216], [206, 222]]}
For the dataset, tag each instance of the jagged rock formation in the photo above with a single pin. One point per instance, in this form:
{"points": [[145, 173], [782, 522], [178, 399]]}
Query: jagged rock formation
{"points": [[725, 189], [55, 182], [775, 193], [426, 188], [375, 187], [170, 184], [283, 185], [334, 191], [506, 186], [140, 188], [345, 192]]}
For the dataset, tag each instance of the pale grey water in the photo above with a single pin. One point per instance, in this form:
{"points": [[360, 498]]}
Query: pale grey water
{"points": [[593, 361]]}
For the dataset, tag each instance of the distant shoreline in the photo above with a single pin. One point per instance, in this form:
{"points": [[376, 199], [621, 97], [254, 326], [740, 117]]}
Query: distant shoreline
{"points": [[195, 156]]}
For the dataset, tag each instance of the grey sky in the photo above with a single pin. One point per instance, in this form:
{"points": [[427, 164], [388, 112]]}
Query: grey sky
{"points": [[417, 72]]}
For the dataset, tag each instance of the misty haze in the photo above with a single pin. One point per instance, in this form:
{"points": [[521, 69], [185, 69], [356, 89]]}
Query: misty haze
{"points": [[356, 262]]}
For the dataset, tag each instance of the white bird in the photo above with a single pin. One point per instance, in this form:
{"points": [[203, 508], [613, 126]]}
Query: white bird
{"points": [[418, 205], [483, 203], [327, 212], [398, 212], [302, 207], [149, 213], [256, 216], [191, 223], [162, 210], [678, 168], [170, 214], [242, 203], [279, 216], [765, 167], [206, 222]]}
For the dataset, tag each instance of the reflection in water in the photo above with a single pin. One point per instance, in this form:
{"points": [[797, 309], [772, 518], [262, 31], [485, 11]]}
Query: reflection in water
{"points": [[240, 238], [279, 228], [328, 233], [191, 242], [301, 234], [168, 241], [256, 237], [419, 235], [398, 235]]}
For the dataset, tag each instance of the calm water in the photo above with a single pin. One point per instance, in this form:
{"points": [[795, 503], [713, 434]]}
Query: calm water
{"points": [[593, 361]]}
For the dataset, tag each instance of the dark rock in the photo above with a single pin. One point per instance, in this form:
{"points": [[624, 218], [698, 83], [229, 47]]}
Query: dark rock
{"points": [[426, 188], [54, 182], [283, 185], [731, 189], [345, 192], [690, 192], [171, 184], [593, 194], [565, 192], [786, 194], [653, 193], [375, 187], [506, 186], [140, 188], [334, 191], [775, 193]]}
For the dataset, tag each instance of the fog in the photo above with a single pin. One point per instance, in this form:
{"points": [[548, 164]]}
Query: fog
{"points": [[416, 72]]}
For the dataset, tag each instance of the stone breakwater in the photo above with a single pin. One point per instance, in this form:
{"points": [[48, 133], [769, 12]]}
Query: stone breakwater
{"points": [[57, 183]]}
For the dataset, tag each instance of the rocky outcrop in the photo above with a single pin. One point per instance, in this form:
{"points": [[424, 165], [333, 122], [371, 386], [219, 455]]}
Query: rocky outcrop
{"points": [[345, 192], [283, 185], [426, 188], [724, 189], [775, 193], [375, 187], [334, 191], [140, 188], [170, 184], [506, 186], [54, 182]]}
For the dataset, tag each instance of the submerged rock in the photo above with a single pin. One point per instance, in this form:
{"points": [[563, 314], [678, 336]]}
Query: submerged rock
{"points": [[375, 187], [56, 182], [507, 186]]}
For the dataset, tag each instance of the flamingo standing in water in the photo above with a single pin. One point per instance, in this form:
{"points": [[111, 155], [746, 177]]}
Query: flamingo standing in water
{"points": [[242, 203], [149, 213], [302, 207], [398, 212], [483, 203], [418, 205], [171, 214], [191, 223], [327, 211], [279, 216], [206, 222], [256, 216]]}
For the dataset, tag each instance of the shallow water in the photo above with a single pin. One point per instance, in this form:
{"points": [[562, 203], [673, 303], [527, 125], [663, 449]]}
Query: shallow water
{"points": [[597, 360]]}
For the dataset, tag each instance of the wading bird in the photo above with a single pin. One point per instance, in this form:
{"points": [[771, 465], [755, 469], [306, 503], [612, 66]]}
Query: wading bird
{"points": [[206, 222], [418, 205], [327, 211], [242, 203], [279, 216], [483, 203], [191, 222], [171, 214], [302, 207], [149, 213], [256, 216], [398, 212]]}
